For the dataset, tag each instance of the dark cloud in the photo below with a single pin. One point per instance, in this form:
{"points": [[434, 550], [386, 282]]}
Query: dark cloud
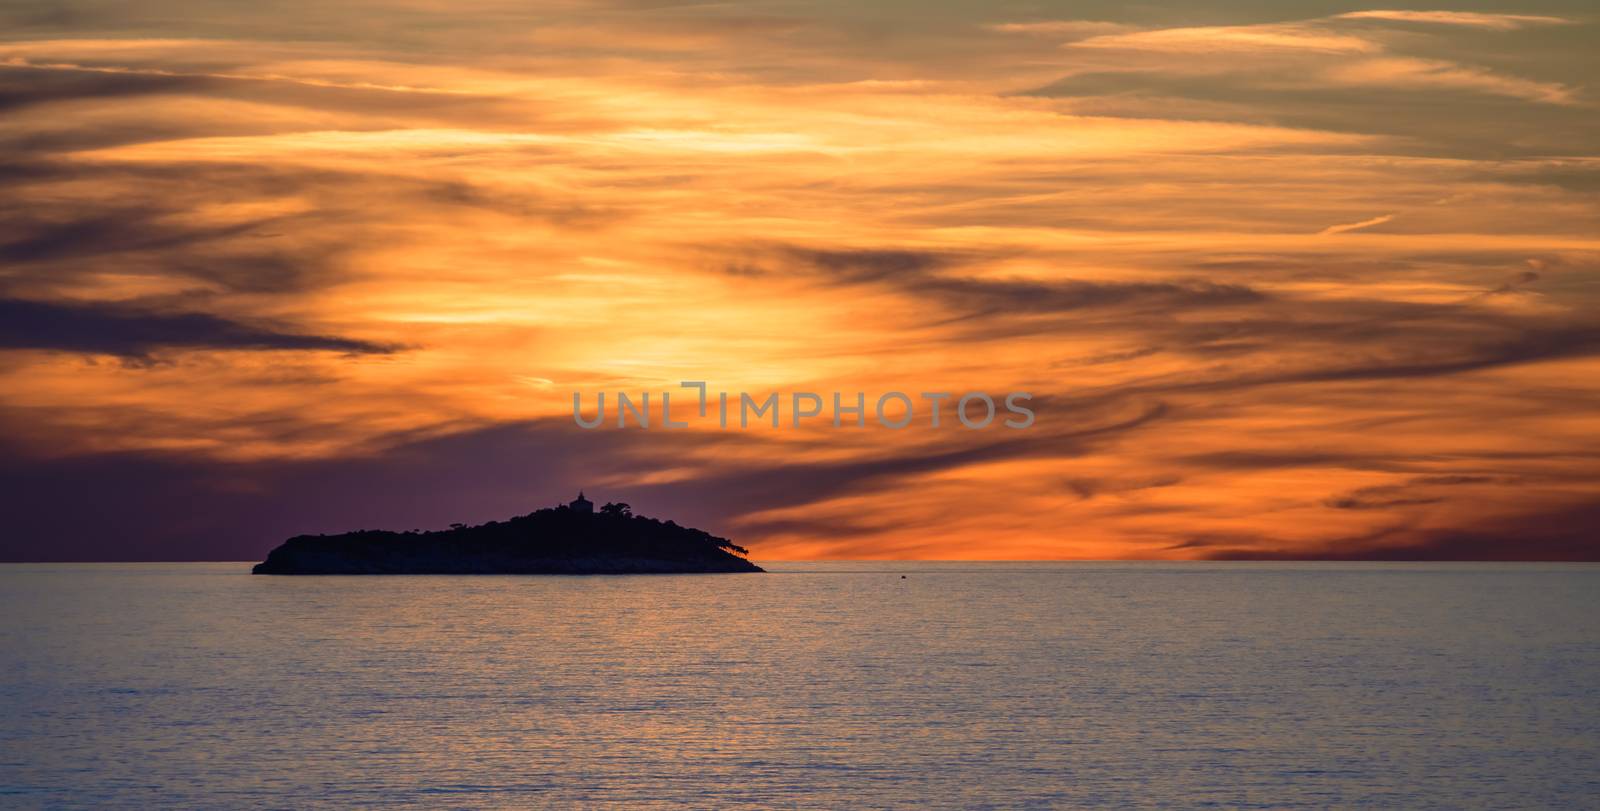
{"points": [[1268, 460], [1001, 297], [1580, 176], [171, 506], [1088, 488], [1432, 120], [1569, 533], [48, 14], [744, 488], [1222, 324], [116, 330], [1461, 479], [1378, 498], [152, 221], [147, 224], [1365, 340], [1416, 491], [863, 266], [109, 232], [924, 274], [1309, 340], [22, 87], [167, 506]]}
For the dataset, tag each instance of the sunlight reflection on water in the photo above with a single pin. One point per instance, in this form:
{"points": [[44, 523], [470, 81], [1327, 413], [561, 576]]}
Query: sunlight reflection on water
{"points": [[820, 685]]}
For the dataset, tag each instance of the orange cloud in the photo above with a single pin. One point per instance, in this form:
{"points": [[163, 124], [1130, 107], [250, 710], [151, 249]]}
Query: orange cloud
{"points": [[375, 267]]}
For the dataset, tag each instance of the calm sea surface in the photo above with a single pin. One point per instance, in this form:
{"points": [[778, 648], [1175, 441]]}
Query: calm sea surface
{"points": [[838, 686]]}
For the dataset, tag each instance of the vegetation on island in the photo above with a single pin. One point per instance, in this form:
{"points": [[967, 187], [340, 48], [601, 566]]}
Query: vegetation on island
{"points": [[557, 540]]}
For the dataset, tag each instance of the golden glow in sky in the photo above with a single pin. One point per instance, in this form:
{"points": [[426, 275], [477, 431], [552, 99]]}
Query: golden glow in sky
{"points": [[1308, 281]]}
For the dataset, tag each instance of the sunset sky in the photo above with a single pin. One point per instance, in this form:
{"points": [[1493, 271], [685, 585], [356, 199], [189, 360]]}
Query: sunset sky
{"points": [[1286, 279]]}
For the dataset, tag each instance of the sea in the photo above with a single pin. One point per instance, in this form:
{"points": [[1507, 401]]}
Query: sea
{"points": [[842, 685]]}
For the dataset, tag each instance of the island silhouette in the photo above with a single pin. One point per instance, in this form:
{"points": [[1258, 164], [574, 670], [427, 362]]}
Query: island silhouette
{"points": [[567, 539]]}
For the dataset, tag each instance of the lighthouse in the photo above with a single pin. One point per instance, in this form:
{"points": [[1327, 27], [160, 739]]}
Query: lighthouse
{"points": [[581, 504]]}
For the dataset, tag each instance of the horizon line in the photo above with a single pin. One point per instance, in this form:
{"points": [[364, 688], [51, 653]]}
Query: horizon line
{"points": [[956, 560]]}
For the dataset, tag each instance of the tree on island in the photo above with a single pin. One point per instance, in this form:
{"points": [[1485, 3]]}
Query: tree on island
{"points": [[558, 540]]}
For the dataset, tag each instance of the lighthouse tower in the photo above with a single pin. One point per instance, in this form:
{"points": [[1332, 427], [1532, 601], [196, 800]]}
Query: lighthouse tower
{"points": [[582, 504]]}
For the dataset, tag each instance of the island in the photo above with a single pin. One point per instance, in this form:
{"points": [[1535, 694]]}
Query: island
{"points": [[568, 539]]}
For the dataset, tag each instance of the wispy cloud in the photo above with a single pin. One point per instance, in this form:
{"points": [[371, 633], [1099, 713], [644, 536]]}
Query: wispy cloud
{"points": [[363, 274], [1431, 73], [116, 70], [1062, 28], [1355, 226], [1285, 37], [1331, 53], [1472, 19], [131, 332]]}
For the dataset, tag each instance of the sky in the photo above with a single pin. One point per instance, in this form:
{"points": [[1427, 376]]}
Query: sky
{"points": [[1286, 280]]}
